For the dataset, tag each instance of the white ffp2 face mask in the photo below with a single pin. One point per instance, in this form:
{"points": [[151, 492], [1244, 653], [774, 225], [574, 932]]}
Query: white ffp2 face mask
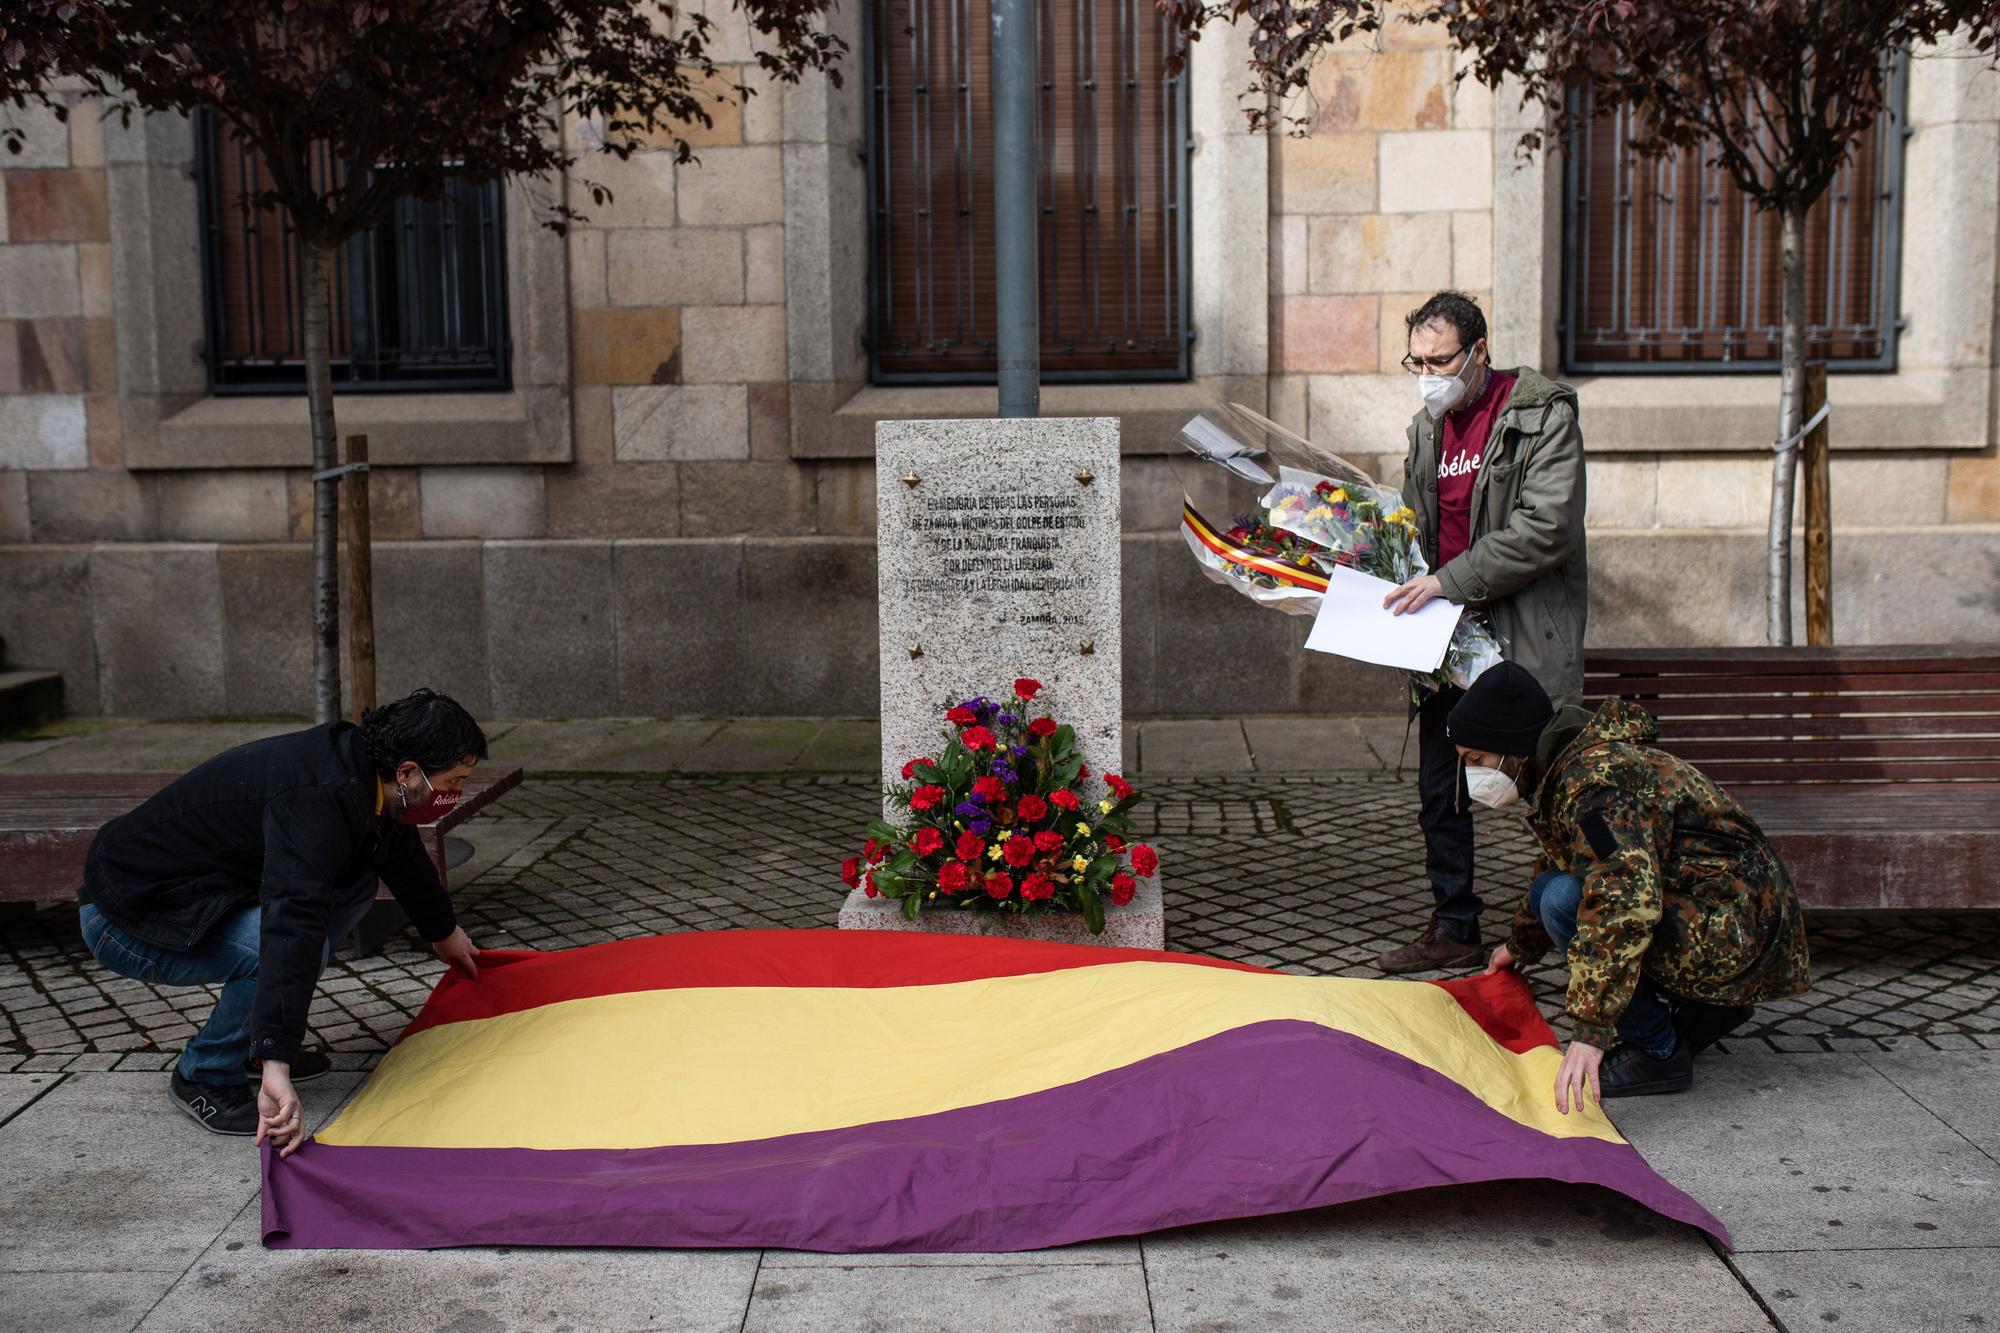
{"points": [[1442, 393], [1491, 787]]}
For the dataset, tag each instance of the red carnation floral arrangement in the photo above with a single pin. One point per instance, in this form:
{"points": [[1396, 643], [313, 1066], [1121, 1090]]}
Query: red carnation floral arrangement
{"points": [[1006, 819]]}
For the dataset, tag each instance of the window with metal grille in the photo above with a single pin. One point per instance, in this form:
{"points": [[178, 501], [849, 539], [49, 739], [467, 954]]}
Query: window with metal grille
{"points": [[1113, 161], [419, 301], [1667, 267]]}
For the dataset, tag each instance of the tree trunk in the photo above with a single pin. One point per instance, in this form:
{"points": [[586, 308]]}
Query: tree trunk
{"points": [[326, 490], [1791, 412]]}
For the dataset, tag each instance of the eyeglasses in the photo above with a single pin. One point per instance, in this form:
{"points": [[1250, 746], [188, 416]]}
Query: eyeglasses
{"points": [[1431, 365]]}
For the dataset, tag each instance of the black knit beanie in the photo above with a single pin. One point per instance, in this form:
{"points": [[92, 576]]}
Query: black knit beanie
{"points": [[1503, 713]]}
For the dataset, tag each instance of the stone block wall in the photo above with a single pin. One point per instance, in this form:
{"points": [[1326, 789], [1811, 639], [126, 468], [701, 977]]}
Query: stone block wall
{"points": [[673, 510], [58, 341]]}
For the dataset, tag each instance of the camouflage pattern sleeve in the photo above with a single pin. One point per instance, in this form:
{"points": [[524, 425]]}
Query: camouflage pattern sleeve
{"points": [[1619, 838]]}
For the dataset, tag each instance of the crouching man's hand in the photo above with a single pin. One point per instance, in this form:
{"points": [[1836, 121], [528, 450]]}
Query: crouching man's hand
{"points": [[1501, 961], [460, 952], [280, 1117], [1578, 1071]]}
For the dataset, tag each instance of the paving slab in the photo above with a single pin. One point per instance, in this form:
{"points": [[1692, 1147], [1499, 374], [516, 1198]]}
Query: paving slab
{"points": [[238, 1284], [12, 752], [1510, 1255], [148, 747], [1194, 745], [119, 749], [845, 745], [1816, 1151], [103, 1168], [1879, 1289], [1120, 1251], [178, 746], [74, 1302], [494, 838], [1104, 1298], [17, 1090], [562, 745], [651, 747], [1392, 737], [1308, 744], [1961, 1088], [754, 745]]}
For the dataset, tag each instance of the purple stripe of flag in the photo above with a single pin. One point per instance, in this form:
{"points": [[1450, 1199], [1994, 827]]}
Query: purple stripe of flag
{"points": [[1266, 1118]]}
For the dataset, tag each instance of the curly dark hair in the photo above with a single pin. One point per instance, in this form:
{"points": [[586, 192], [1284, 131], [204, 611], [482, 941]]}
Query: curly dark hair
{"points": [[429, 728], [1454, 308]]}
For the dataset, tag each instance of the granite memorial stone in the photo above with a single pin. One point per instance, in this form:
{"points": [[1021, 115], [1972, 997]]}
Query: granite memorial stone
{"points": [[998, 551]]}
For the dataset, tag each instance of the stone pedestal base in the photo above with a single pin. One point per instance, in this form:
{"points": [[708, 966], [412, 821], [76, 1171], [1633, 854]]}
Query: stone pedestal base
{"points": [[1139, 924]]}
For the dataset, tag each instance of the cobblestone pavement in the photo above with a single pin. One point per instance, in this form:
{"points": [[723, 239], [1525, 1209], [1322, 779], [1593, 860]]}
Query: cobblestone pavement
{"points": [[1307, 874]]}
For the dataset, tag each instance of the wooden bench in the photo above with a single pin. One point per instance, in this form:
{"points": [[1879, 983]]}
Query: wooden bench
{"points": [[1875, 772], [48, 819]]}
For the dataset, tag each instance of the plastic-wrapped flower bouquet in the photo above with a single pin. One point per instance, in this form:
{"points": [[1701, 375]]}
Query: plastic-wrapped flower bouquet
{"points": [[1311, 510]]}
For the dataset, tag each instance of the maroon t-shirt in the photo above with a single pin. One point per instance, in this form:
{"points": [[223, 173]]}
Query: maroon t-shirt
{"points": [[1460, 453]]}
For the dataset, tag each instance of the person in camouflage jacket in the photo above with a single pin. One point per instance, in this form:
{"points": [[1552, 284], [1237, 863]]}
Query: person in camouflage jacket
{"points": [[1675, 913]]}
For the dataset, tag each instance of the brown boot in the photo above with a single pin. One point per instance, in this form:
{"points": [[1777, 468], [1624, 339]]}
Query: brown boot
{"points": [[1432, 951]]}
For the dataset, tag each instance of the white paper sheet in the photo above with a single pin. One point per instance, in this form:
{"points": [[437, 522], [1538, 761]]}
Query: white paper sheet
{"points": [[1352, 622]]}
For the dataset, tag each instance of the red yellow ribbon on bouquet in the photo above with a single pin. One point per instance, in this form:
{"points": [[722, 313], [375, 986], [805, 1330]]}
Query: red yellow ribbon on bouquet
{"points": [[1200, 530]]}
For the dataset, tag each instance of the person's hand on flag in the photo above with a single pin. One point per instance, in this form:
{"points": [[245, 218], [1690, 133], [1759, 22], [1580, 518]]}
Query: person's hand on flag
{"points": [[1578, 1071], [458, 950]]}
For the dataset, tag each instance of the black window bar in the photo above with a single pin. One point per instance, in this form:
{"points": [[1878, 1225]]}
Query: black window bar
{"points": [[1668, 268], [419, 300], [1113, 152]]}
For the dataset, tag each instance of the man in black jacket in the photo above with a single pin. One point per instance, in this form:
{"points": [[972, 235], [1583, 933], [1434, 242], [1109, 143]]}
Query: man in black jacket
{"points": [[248, 870]]}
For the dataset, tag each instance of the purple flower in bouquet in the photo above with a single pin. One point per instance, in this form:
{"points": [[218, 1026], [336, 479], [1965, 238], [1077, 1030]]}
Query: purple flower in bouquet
{"points": [[980, 826], [1007, 719], [967, 810]]}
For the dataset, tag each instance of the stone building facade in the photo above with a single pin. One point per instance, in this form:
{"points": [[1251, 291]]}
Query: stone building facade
{"points": [[669, 508]]}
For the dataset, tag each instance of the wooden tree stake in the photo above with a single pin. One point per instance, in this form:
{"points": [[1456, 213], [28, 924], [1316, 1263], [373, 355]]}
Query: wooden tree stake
{"points": [[1819, 514], [354, 535]]}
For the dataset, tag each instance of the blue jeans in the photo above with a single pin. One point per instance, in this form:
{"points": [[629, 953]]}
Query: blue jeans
{"points": [[1647, 1023], [219, 1054]]}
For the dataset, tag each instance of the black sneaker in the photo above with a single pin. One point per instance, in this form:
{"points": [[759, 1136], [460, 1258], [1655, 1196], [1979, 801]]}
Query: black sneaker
{"points": [[1700, 1026], [1630, 1072], [306, 1067], [217, 1109]]}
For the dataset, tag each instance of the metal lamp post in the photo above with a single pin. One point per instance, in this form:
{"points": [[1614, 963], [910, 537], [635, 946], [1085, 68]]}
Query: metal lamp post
{"points": [[1017, 307]]}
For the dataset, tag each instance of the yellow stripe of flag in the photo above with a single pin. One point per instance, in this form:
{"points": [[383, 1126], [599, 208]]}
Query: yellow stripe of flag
{"points": [[718, 1065]]}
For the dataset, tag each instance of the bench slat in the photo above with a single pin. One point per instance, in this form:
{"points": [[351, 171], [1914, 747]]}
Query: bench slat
{"points": [[1796, 660], [1831, 753], [1816, 809], [1863, 771], [1979, 705], [1787, 728], [1872, 682]]}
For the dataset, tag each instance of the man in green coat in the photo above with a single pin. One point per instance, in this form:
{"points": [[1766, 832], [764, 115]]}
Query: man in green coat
{"points": [[1495, 475], [1674, 912]]}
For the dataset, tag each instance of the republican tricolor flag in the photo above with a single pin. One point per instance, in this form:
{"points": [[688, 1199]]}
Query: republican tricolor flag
{"points": [[859, 1091]]}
